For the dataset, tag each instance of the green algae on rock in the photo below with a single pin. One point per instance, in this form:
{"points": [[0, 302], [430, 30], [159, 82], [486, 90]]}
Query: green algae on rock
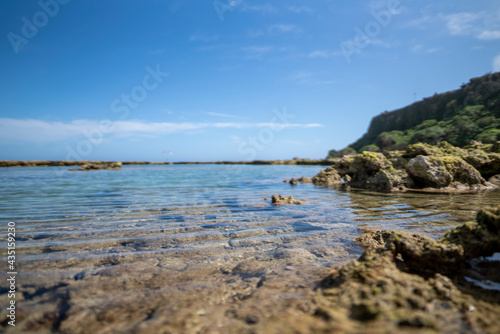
{"points": [[328, 177], [282, 200], [422, 166]]}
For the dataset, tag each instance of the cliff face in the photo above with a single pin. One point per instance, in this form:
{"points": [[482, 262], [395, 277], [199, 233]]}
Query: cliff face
{"points": [[481, 93]]}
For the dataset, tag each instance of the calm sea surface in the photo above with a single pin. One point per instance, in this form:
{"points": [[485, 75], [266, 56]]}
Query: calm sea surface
{"points": [[64, 215]]}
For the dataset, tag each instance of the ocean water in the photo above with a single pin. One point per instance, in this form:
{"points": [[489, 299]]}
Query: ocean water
{"points": [[63, 215]]}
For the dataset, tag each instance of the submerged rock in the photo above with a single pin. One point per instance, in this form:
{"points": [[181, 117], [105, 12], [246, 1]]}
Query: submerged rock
{"points": [[281, 200], [406, 280]]}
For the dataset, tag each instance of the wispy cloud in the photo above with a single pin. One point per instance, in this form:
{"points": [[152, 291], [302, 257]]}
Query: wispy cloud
{"points": [[263, 9], [385, 44], [157, 52], [461, 23], [482, 25], [200, 37], [216, 114], [376, 5], [227, 68], [251, 33], [489, 35], [420, 48], [310, 78], [323, 54], [300, 9], [42, 131], [283, 28], [256, 51]]}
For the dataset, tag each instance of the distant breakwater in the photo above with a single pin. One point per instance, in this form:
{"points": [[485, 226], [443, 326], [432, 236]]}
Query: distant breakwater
{"points": [[64, 163]]}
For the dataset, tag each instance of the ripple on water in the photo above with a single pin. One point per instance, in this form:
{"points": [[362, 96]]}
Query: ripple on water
{"points": [[148, 209]]}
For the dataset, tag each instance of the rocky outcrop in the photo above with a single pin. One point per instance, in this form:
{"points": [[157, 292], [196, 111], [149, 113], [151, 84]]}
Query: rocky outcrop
{"points": [[488, 164], [495, 180], [98, 166], [281, 200], [371, 170], [422, 166], [294, 181], [407, 281], [440, 172], [327, 178]]}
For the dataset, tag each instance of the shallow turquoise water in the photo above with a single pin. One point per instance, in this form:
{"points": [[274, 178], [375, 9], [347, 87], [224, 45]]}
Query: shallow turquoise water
{"points": [[61, 214]]}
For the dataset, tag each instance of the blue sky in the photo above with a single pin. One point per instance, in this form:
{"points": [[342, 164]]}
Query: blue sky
{"points": [[226, 79]]}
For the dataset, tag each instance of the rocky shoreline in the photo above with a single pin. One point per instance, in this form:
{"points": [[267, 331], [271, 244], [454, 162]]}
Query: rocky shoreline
{"points": [[407, 280], [421, 167]]}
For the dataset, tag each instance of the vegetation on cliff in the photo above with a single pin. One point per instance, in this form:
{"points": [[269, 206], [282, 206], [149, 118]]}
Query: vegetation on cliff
{"points": [[458, 117]]}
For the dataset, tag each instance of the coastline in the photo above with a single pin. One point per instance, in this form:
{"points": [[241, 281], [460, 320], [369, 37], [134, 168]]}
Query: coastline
{"points": [[66, 163]]}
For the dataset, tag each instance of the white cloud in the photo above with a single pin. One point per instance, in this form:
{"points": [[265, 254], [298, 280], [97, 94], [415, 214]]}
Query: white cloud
{"points": [[199, 37], [310, 78], [264, 9], [423, 22], [376, 5], [496, 64], [32, 130], [300, 9], [482, 25], [388, 45], [323, 54], [283, 28], [319, 54], [489, 35], [256, 51], [216, 114], [419, 48], [461, 23], [250, 33]]}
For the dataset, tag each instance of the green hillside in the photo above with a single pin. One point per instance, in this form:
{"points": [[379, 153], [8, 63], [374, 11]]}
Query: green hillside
{"points": [[469, 113]]}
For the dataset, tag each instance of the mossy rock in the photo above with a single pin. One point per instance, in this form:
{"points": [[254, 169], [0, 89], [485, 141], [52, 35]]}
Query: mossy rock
{"points": [[441, 171], [406, 280], [328, 177], [417, 149]]}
